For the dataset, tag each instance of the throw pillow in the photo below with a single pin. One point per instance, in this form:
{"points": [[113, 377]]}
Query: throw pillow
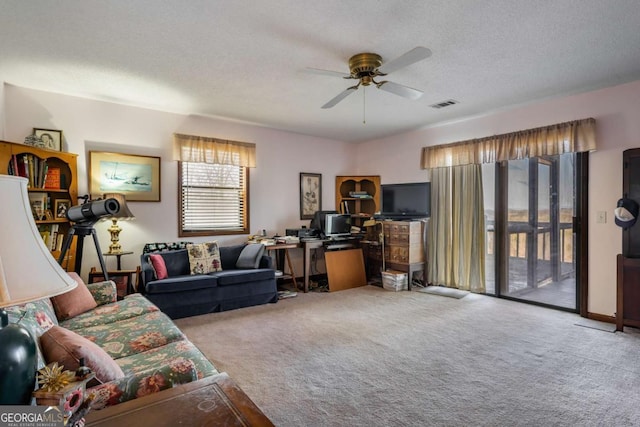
{"points": [[204, 257], [66, 347], [159, 266], [74, 302], [250, 256]]}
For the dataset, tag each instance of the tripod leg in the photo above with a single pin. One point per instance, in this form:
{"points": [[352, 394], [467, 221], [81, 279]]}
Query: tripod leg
{"points": [[100, 257], [66, 245], [79, 252]]}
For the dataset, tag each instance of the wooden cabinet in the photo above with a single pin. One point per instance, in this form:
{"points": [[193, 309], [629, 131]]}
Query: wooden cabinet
{"points": [[628, 263], [404, 246], [32, 162], [358, 196], [628, 292]]}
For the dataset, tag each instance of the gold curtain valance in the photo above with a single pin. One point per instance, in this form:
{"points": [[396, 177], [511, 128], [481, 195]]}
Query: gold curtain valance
{"points": [[200, 149], [568, 137]]}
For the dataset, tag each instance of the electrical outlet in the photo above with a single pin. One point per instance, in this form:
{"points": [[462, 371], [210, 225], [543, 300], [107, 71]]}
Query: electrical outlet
{"points": [[601, 217]]}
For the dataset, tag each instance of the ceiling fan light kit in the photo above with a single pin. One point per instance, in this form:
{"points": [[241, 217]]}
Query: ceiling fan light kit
{"points": [[365, 67]]}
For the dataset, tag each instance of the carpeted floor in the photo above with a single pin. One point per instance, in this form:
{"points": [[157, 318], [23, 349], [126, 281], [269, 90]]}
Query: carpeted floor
{"points": [[370, 357]]}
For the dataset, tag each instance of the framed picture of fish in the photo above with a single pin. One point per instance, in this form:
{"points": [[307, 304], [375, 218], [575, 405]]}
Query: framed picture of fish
{"points": [[135, 176]]}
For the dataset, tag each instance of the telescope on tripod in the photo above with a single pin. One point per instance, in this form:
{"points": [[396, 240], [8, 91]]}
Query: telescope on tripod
{"points": [[84, 217]]}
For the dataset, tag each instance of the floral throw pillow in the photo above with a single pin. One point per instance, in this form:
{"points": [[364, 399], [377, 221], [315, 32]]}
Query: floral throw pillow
{"points": [[204, 258]]}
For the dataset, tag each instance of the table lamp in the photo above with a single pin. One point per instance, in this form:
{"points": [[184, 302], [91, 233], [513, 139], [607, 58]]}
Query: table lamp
{"points": [[123, 214], [28, 272]]}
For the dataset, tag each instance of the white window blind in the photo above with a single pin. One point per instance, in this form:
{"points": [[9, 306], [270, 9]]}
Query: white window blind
{"points": [[213, 199]]}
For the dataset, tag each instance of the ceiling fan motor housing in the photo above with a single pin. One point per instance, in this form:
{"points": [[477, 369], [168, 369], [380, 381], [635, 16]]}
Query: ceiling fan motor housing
{"points": [[363, 66]]}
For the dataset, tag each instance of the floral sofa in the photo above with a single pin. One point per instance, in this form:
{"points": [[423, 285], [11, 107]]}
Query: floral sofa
{"points": [[147, 350]]}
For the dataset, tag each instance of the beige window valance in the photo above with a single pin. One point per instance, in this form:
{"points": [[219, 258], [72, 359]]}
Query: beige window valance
{"points": [[200, 149], [568, 137]]}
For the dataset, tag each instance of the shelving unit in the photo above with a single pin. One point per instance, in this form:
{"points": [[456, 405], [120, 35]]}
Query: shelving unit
{"points": [[360, 195], [32, 162]]}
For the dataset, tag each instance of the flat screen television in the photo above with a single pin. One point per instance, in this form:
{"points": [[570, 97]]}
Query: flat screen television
{"points": [[406, 201], [337, 225]]}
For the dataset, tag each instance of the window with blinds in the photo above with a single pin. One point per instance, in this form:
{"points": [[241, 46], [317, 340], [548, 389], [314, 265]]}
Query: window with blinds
{"points": [[213, 199]]}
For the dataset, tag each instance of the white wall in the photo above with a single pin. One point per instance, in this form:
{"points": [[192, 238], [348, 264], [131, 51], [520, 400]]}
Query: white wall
{"points": [[617, 113], [2, 111], [101, 126]]}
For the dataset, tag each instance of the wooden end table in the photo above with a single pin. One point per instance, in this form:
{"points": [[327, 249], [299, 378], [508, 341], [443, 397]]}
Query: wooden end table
{"points": [[212, 401]]}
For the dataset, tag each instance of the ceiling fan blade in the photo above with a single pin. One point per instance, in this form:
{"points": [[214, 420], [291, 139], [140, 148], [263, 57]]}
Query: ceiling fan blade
{"points": [[342, 95], [328, 73], [396, 89], [414, 55]]}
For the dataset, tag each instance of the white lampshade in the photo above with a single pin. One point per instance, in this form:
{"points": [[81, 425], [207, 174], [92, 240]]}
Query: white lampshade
{"points": [[28, 270]]}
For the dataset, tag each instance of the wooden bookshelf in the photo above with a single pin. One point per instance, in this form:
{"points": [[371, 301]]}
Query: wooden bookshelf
{"points": [[358, 196], [33, 163]]}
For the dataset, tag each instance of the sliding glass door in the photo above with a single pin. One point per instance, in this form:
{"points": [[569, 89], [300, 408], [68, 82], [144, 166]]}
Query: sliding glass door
{"points": [[530, 206]]}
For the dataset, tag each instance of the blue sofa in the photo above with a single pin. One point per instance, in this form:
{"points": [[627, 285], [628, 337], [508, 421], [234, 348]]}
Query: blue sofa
{"points": [[183, 294]]}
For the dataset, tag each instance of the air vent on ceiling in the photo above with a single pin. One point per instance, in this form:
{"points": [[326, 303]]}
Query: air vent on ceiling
{"points": [[443, 104]]}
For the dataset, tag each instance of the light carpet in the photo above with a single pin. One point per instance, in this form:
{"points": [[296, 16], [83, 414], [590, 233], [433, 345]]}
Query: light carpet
{"points": [[370, 357], [445, 292]]}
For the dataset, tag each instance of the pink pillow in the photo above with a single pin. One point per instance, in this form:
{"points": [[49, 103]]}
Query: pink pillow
{"points": [[74, 302], [159, 266], [66, 347]]}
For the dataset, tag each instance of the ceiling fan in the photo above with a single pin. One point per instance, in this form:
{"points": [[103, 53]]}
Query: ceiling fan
{"points": [[365, 67]]}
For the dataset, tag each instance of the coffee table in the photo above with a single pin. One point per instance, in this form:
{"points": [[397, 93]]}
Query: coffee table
{"points": [[212, 401]]}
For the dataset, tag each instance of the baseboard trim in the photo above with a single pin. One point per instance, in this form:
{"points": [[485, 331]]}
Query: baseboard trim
{"points": [[601, 317]]}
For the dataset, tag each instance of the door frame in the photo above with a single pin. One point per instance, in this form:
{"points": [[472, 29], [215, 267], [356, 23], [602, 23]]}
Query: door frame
{"points": [[580, 230]]}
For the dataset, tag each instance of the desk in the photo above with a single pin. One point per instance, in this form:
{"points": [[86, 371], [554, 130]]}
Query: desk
{"points": [[215, 400], [280, 261], [310, 245], [307, 246]]}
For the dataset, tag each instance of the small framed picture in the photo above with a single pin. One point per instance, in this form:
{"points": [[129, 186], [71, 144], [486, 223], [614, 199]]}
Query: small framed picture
{"points": [[310, 194], [49, 138], [61, 207]]}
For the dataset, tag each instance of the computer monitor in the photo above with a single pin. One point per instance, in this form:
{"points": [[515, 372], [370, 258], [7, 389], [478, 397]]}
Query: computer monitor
{"points": [[337, 225], [319, 220]]}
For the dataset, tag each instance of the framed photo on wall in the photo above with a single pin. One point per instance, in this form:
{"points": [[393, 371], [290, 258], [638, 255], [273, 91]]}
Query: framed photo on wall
{"points": [[310, 194], [49, 138], [135, 176]]}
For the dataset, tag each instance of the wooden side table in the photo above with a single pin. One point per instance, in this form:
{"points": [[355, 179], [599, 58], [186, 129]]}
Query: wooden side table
{"points": [[212, 401], [118, 257], [122, 278]]}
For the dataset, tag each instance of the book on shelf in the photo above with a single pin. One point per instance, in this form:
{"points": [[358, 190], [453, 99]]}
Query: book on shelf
{"points": [[59, 241], [31, 167], [52, 179], [345, 207], [46, 237], [51, 236], [359, 195]]}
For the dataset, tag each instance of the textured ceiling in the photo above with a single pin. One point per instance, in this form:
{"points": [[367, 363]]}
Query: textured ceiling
{"points": [[247, 60]]}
